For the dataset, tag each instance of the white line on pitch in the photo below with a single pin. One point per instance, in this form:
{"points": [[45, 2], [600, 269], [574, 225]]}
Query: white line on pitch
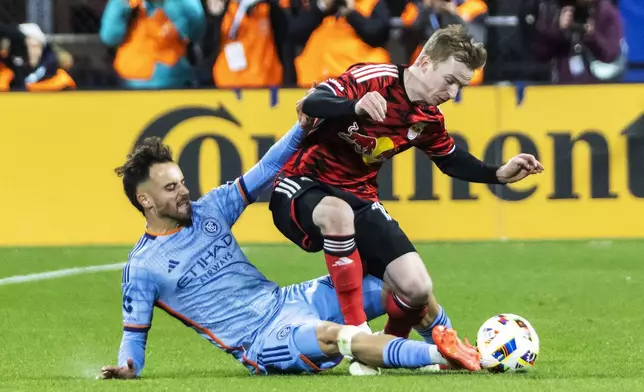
{"points": [[60, 273], [67, 272]]}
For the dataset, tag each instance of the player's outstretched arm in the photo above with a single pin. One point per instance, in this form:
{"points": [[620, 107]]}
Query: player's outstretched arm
{"points": [[519, 168], [131, 358], [464, 166], [264, 171], [232, 199], [355, 92], [324, 104], [139, 295]]}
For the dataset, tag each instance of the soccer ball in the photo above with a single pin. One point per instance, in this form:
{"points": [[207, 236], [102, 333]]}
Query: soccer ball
{"points": [[507, 342]]}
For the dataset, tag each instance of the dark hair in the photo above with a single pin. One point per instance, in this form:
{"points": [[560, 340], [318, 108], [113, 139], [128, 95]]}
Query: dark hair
{"points": [[455, 40], [136, 169]]}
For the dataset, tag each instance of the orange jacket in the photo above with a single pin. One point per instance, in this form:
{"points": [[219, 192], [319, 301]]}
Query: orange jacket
{"points": [[151, 39], [470, 9], [60, 81], [334, 46], [6, 76], [263, 67]]}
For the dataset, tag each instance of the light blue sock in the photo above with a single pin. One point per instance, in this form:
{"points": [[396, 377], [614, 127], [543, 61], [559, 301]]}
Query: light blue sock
{"points": [[404, 353], [440, 319]]}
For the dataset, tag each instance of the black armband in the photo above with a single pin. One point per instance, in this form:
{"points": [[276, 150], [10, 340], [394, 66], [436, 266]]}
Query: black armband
{"points": [[465, 166], [324, 104]]}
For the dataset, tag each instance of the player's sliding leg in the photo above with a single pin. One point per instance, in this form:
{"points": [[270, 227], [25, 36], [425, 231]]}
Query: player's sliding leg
{"points": [[335, 219], [392, 352], [411, 302]]}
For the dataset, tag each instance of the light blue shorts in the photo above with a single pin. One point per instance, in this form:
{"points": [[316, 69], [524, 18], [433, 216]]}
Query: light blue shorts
{"points": [[289, 343]]}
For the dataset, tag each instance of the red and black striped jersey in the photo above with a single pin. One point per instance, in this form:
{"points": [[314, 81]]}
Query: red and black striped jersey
{"points": [[347, 152]]}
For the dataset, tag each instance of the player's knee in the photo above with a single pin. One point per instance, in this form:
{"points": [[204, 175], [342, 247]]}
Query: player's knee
{"points": [[417, 290], [334, 216]]}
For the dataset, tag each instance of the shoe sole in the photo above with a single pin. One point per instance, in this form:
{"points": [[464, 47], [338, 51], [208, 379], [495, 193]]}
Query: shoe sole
{"points": [[448, 345]]}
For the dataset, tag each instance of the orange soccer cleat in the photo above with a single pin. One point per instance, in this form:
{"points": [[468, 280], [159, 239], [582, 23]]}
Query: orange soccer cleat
{"points": [[461, 354]]}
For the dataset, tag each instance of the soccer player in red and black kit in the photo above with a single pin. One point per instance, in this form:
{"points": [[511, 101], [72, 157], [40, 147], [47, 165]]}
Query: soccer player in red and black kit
{"points": [[326, 197]]}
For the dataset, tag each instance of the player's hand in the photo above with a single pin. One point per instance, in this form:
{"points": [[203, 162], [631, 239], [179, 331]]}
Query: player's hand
{"points": [[305, 121], [519, 168], [373, 105], [123, 372]]}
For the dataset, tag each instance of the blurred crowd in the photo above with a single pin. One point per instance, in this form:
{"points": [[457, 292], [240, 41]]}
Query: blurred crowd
{"points": [[153, 44]]}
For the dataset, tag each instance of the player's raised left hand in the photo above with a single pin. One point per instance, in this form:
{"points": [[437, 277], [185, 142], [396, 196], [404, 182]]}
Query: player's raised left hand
{"points": [[123, 372], [305, 121], [519, 168]]}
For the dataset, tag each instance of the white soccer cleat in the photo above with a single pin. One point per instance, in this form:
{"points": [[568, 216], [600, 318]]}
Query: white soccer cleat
{"points": [[435, 368], [430, 369], [360, 369]]}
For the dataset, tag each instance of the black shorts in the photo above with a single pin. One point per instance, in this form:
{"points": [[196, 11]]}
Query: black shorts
{"points": [[379, 238]]}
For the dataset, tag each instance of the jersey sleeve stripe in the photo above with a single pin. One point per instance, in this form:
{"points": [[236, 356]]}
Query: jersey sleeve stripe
{"points": [[337, 84], [243, 190], [368, 68], [376, 74], [328, 87], [206, 331]]}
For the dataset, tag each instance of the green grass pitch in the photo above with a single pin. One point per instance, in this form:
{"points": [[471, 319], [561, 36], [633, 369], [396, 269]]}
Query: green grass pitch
{"points": [[585, 299]]}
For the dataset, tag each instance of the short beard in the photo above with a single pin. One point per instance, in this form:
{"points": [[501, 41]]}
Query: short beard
{"points": [[182, 221], [186, 222]]}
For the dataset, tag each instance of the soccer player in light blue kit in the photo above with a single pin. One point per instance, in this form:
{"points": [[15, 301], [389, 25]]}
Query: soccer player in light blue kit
{"points": [[189, 264]]}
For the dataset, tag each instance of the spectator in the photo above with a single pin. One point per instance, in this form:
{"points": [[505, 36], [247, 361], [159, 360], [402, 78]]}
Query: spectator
{"points": [[155, 40], [473, 13], [577, 37], [421, 19], [249, 40], [42, 64], [337, 34], [13, 57]]}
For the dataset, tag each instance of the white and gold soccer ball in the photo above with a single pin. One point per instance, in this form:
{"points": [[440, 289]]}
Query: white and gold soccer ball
{"points": [[507, 342]]}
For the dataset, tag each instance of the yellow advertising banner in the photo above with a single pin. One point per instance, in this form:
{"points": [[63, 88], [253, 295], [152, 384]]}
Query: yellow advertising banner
{"points": [[59, 152]]}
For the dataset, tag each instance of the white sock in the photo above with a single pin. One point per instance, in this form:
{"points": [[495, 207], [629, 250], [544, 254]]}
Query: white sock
{"points": [[364, 327], [436, 357], [345, 336]]}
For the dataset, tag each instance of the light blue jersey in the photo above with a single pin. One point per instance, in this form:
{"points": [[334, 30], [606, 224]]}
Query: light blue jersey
{"points": [[200, 275]]}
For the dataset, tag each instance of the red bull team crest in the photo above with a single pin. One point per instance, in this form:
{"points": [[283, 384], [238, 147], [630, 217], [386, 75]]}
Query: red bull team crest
{"points": [[371, 148]]}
